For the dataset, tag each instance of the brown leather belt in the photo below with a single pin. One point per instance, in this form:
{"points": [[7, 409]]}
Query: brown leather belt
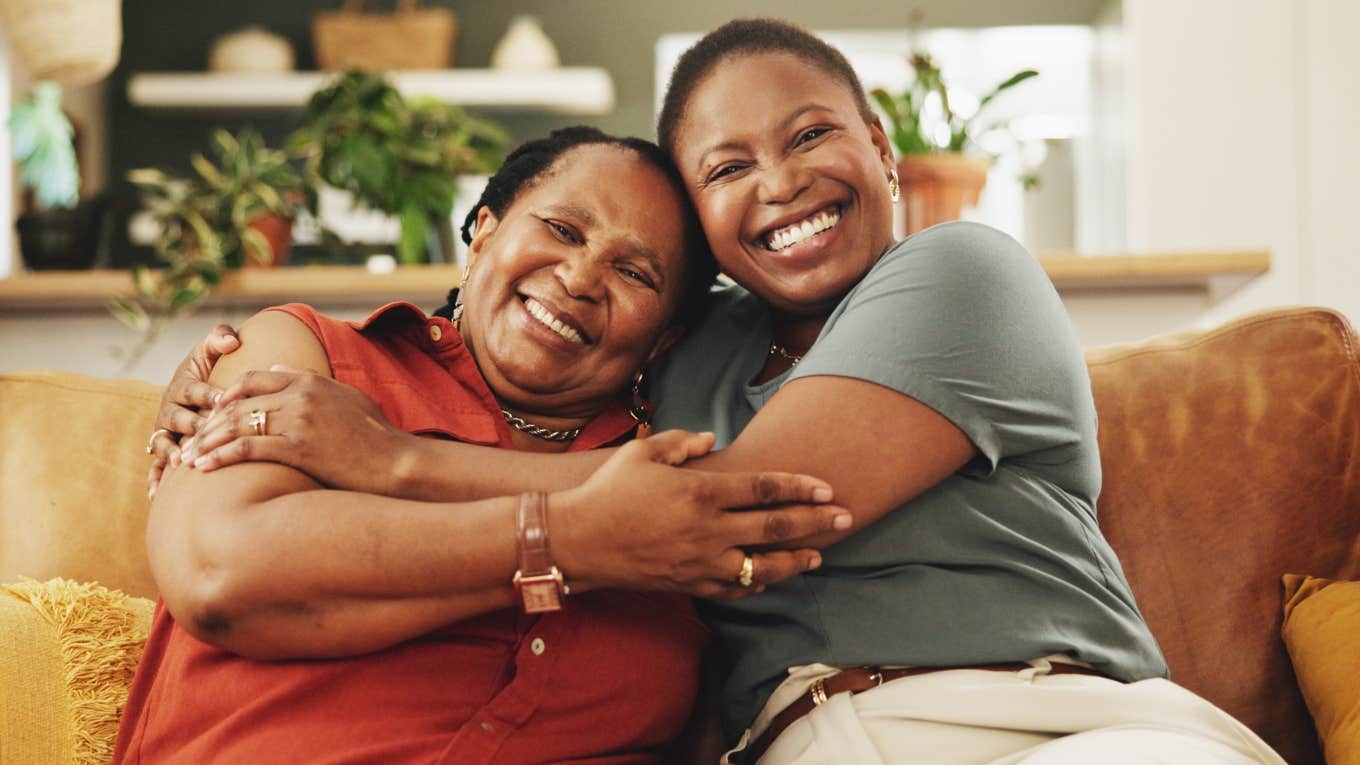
{"points": [[862, 679]]}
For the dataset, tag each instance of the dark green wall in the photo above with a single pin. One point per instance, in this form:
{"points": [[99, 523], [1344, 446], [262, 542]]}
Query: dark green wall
{"points": [[170, 35]]}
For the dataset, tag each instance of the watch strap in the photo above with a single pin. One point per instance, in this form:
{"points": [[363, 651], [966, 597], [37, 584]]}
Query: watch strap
{"points": [[540, 584]]}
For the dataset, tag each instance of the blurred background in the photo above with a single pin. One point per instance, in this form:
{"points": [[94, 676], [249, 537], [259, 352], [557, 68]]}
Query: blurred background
{"points": [[1173, 163]]}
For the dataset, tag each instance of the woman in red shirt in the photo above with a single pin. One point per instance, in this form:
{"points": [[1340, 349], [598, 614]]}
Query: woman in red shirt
{"points": [[305, 624]]}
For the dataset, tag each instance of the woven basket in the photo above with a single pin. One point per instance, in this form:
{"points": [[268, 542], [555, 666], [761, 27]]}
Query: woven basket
{"points": [[408, 38], [72, 42]]}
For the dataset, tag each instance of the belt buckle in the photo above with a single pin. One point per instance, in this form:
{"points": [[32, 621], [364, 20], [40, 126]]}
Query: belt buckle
{"points": [[818, 692]]}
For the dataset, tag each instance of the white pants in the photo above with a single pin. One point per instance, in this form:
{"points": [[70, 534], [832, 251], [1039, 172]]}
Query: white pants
{"points": [[984, 717]]}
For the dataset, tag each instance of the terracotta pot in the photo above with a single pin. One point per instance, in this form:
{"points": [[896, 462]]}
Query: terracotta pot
{"points": [[936, 188], [278, 231]]}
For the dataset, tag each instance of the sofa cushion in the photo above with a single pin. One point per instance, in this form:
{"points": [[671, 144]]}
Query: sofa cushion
{"points": [[73, 478], [1322, 632], [1230, 459], [67, 655]]}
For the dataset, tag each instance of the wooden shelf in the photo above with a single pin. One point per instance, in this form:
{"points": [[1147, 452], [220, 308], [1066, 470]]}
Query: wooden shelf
{"points": [[567, 90], [1216, 272], [332, 286], [41, 291]]}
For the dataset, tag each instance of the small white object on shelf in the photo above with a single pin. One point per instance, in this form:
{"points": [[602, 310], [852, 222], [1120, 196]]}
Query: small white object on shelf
{"points": [[251, 49], [381, 263], [524, 47], [566, 90]]}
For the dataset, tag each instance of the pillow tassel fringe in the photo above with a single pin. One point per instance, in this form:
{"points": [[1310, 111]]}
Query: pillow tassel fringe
{"points": [[101, 638]]}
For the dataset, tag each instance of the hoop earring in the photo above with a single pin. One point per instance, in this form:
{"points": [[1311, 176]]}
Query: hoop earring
{"points": [[639, 409], [894, 186]]}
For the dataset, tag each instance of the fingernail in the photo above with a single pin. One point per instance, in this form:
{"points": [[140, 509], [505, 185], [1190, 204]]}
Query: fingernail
{"points": [[151, 493], [216, 397], [201, 462], [821, 494], [814, 562], [842, 521], [174, 459]]}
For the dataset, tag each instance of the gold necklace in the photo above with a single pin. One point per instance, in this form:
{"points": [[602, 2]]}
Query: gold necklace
{"points": [[538, 431], [778, 350]]}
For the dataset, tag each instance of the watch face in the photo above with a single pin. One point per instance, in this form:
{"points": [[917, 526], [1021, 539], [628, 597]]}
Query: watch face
{"points": [[540, 596]]}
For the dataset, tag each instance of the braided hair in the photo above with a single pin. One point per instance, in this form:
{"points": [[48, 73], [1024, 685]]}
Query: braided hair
{"points": [[531, 160], [748, 37]]}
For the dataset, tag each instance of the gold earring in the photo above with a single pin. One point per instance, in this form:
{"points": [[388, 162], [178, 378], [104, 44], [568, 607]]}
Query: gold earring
{"points": [[894, 187], [639, 408], [458, 301]]}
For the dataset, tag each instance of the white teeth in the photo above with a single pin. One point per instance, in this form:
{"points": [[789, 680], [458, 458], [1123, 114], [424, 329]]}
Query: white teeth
{"points": [[803, 230], [545, 317]]}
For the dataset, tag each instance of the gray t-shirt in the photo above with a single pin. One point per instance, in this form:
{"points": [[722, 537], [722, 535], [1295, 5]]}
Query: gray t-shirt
{"points": [[1002, 561]]}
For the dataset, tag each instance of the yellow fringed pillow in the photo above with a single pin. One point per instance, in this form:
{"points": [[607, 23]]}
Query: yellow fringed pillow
{"points": [[1322, 632], [67, 655]]}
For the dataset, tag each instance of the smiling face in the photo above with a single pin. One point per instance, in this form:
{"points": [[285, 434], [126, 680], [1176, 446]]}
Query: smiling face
{"points": [[573, 288], [790, 181]]}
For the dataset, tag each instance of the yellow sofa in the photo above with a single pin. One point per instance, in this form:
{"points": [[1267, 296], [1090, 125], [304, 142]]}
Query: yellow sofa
{"points": [[1231, 458]]}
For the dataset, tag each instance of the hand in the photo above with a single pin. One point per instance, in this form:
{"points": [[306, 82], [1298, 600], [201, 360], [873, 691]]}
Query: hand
{"points": [[641, 523], [331, 431], [184, 398]]}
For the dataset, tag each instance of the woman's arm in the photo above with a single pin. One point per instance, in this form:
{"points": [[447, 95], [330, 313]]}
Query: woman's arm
{"points": [[877, 447], [336, 434], [258, 559], [837, 427]]}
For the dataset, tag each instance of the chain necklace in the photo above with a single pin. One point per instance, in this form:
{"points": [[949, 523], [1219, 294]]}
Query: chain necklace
{"points": [[778, 350], [538, 431]]}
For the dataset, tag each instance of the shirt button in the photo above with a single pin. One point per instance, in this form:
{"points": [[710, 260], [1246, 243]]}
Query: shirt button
{"points": [[488, 727], [538, 646], [436, 333]]}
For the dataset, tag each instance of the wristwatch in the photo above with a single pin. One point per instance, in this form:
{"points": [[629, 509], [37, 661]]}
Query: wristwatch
{"points": [[539, 583]]}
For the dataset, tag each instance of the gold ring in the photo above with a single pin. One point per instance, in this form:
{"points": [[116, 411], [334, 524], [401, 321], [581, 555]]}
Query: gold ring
{"points": [[258, 419], [747, 577], [152, 440]]}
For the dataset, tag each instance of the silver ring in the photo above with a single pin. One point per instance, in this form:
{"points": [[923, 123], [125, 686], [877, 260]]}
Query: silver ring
{"points": [[258, 419], [150, 442], [747, 577]]}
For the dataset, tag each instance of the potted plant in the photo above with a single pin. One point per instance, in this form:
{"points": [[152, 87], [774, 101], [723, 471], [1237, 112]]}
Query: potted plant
{"points": [[56, 229], [937, 146], [236, 211], [398, 157]]}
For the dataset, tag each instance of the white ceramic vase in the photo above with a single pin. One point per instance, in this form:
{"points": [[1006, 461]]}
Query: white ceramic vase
{"points": [[524, 46], [252, 49]]}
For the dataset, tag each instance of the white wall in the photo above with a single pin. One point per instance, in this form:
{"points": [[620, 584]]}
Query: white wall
{"points": [[1329, 196], [1242, 122], [80, 340]]}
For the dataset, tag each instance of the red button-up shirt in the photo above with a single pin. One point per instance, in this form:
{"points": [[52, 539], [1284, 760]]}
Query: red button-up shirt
{"points": [[609, 679]]}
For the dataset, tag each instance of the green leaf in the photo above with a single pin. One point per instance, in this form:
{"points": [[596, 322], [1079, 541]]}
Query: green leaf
{"points": [[207, 171], [268, 196], [257, 246], [368, 165], [129, 313], [184, 298], [1014, 80], [415, 228]]}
